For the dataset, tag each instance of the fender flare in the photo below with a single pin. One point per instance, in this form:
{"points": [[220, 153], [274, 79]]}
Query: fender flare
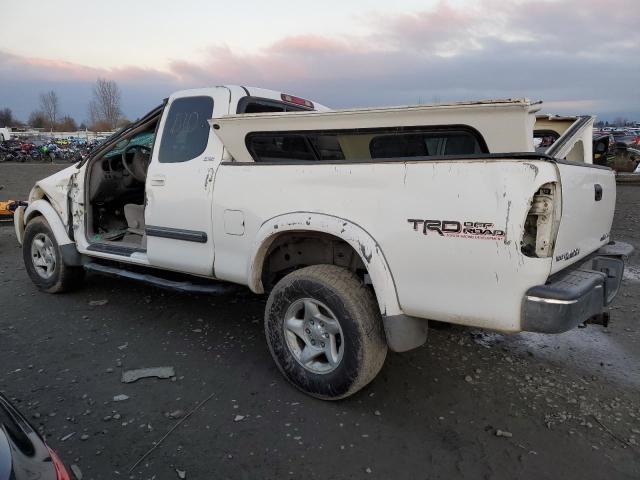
{"points": [[360, 240], [68, 250], [45, 209]]}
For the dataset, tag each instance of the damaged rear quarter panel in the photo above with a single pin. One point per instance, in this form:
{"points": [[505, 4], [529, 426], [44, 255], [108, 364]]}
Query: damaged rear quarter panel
{"points": [[460, 279]]}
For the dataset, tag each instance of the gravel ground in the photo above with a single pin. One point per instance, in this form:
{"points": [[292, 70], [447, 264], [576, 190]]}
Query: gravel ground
{"points": [[468, 404]]}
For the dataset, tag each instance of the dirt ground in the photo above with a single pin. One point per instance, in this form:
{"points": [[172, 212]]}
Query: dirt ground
{"points": [[570, 403]]}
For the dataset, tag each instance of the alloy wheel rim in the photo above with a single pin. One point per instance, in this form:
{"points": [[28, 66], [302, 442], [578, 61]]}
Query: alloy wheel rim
{"points": [[313, 335], [43, 255]]}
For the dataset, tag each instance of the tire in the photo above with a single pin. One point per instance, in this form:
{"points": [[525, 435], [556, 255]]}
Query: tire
{"points": [[325, 302], [43, 260]]}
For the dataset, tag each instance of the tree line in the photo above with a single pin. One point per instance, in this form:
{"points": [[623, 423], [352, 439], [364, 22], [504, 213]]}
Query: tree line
{"points": [[104, 111], [617, 122]]}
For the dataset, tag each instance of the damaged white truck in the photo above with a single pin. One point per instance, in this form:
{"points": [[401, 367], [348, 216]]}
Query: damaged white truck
{"points": [[359, 224]]}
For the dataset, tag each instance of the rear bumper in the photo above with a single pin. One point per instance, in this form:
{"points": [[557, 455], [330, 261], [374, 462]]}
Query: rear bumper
{"points": [[576, 294]]}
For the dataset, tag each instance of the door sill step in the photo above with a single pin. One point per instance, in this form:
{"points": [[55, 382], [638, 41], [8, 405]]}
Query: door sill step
{"points": [[216, 288], [115, 249]]}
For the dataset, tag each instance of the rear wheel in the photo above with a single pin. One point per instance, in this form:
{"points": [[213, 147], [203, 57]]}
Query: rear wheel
{"points": [[43, 259], [324, 331]]}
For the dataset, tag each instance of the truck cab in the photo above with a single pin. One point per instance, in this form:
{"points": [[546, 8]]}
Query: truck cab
{"points": [[149, 188]]}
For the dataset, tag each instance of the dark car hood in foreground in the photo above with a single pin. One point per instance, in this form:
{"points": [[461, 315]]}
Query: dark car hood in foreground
{"points": [[23, 453], [5, 457]]}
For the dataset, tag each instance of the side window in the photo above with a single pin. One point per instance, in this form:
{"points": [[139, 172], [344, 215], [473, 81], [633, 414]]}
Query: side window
{"points": [[186, 131], [362, 144], [278, 148], [300, 147], [327, 147], [424, 144]]}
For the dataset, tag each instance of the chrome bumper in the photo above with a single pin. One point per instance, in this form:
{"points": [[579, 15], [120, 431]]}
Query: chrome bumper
{"points": [[576, 294]]}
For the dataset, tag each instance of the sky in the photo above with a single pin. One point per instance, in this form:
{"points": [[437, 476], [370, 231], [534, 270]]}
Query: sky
{"points": [[578, 56]]}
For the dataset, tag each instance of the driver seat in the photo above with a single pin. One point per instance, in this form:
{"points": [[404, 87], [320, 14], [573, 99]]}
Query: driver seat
{"points": [[134, 214]]}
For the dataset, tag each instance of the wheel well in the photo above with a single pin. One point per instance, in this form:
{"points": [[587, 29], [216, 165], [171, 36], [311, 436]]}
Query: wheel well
{"points": [[290, 251], [39, 195]]}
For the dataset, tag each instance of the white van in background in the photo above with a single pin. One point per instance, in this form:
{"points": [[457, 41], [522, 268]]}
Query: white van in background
{"points": [[5, 134]]}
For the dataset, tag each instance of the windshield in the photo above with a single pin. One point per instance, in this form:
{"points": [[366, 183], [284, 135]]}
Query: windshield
{"points": [[144, 139]]}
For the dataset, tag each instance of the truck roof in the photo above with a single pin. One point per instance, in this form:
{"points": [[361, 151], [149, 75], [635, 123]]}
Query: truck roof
{"points": [[241, 91]]}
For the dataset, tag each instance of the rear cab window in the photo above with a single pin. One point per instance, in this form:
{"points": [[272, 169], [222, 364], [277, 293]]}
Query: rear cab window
{"points": [[266, 105], [543, 139]]}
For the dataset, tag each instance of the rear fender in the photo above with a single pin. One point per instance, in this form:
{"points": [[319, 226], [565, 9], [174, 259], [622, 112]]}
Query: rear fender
{"points": [[359, 239]]}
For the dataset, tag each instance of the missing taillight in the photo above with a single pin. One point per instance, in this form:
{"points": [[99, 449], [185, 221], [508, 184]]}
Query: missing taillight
{"points": [[540, 226]]}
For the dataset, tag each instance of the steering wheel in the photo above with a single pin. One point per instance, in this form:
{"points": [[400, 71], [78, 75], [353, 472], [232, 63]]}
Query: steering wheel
{"points": [[138, 167]]}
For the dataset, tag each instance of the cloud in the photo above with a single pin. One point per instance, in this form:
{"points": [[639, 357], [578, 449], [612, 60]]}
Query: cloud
{"points": [[578, 55]]}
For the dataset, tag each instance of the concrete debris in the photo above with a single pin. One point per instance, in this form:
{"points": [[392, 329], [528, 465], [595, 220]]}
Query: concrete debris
{"points": [[176, 414], [98, 303], [503, 433], [130, 376], [84, 437], [181, 473], [120, 398], [76, 471], [238, 418]]}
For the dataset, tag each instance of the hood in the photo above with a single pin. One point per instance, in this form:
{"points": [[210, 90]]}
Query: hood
{"points": [[55, 187], [5, 457]]}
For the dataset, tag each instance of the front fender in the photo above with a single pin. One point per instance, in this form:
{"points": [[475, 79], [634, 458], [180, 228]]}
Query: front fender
{"points": [[360, 240], [44, 208], [68, 250]]}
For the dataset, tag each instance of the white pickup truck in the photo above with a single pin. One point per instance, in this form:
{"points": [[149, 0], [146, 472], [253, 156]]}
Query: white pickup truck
{"points": [[5, 134], [359, 224]]}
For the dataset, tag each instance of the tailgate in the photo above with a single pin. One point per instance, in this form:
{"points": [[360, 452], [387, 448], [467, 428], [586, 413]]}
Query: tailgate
{"points": [[588, 203]]}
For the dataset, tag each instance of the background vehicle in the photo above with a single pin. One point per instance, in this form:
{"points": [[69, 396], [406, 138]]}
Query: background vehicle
{"points": [[5, 134], [626, 138], [23, 453], [360, 224], [603, 147]]}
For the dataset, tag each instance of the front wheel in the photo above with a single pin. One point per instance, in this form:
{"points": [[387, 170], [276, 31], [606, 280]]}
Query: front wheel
{"points": [[324, 331], [43, 259]]}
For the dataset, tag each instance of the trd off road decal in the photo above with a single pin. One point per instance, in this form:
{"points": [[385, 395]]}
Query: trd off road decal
{"points": [[454, 228]]}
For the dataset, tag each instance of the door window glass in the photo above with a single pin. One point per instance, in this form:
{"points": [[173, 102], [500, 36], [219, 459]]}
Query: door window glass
{"points": [[186, 130]]}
